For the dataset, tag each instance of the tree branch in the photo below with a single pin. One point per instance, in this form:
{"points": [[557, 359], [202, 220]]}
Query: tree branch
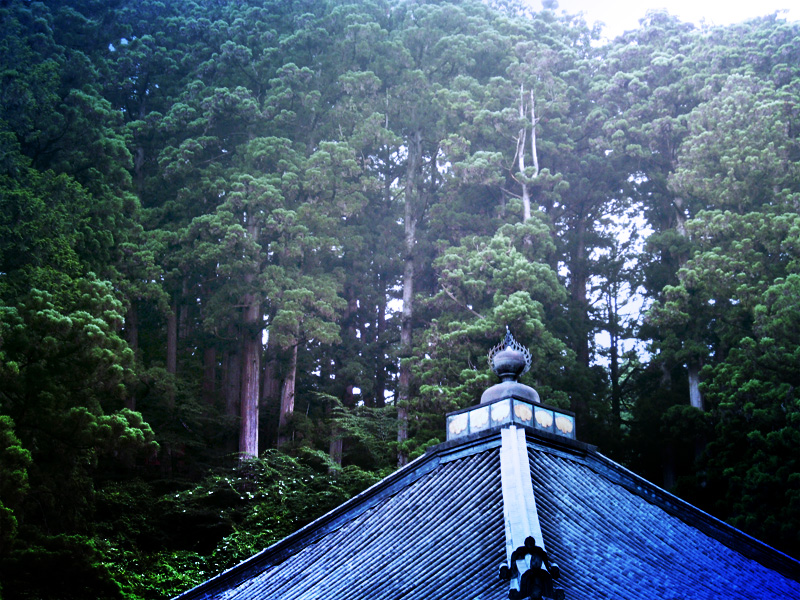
{"points": [[457, 301]]}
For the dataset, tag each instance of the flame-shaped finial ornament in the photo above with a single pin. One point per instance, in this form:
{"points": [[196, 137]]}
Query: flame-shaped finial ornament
{"points": [[509, 359]]}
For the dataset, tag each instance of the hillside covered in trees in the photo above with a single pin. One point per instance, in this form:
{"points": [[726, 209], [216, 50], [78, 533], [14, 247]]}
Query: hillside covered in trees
{"points": [[252, 251]]}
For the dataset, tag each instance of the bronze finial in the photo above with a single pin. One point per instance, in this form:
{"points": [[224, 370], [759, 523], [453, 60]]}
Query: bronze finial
{"points": [[510, 359]]}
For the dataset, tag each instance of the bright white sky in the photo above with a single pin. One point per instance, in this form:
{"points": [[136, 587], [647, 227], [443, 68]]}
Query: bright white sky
{"points": [[623, 15]]}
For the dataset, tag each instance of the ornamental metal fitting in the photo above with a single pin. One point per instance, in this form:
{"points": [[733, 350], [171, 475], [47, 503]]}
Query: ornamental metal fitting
{"points": [[532, 574], [510, 359]]}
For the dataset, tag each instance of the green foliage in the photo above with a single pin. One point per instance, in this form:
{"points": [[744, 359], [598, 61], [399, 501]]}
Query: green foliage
{"points": [[67, 567], [155, 575], [370, 433], [14, 463], [740, 139], [223, 519], [485, 284], [751, 463], [141, 548], [63, 377], [49, 236]]}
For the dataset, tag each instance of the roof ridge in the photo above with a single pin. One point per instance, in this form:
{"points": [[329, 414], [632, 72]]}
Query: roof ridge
{"points": [[529, 569]]}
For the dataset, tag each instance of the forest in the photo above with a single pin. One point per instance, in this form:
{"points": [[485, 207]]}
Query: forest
{"points": [[253, 251]]}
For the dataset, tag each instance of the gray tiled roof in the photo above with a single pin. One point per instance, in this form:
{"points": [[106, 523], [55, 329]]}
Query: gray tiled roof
{"points": [[435, 529], [440, 536], [616, 542], [405, 546]]}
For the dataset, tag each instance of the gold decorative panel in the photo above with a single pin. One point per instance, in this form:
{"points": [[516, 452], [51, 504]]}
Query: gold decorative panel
{"points": [[479, 418], [457, 424], [565, 424], [501, 411], [544, 418], [523, 411]]}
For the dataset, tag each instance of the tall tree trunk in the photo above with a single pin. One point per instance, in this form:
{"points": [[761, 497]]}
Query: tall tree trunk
{"points": [[138, 170], [665, 381], [287, 396], [380, 363], [578, 292], [613, 325], [526, 197], [336, 447], [521, 142], [251, 353], [172, 338], [380, 328], [337, 437], [680, 221], [232, 375], [251, 366], [270, 393], [347, 397], [209, 374], [184, 327], [409, 243], [172, 367], [232, 381], [693, 364], [271, 384], [695, 398]]}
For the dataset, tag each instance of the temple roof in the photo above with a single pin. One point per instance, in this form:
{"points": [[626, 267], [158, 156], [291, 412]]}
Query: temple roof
{"points": [[437, 529]]}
